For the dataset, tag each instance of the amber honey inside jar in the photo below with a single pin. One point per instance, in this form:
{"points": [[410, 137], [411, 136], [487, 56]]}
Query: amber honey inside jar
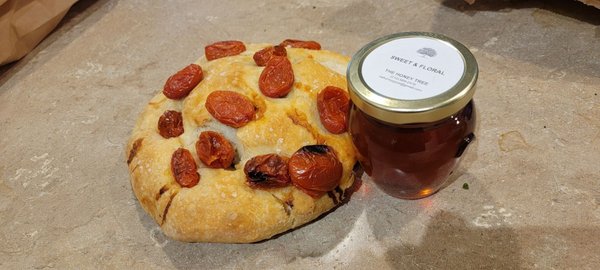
{"points": [[412, 115]]}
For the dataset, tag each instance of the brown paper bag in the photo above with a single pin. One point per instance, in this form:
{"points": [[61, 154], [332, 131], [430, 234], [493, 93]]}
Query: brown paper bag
{"points": [[594, 3], [24, 23]]}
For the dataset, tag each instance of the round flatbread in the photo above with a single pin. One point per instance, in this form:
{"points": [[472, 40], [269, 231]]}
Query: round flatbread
{"points": [[221, 108]]}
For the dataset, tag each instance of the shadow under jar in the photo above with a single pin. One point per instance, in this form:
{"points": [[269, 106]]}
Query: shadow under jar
{"points": [[412, 115]]}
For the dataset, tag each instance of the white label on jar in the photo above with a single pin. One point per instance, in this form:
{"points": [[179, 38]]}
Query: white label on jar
{"points": [[413, 68]]}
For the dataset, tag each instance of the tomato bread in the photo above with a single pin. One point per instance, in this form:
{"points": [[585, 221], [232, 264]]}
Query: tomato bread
{"points": [[246, 143]]}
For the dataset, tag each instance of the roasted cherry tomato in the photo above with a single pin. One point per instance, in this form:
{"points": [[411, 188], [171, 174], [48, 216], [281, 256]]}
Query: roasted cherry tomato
{"points": [[214, 150], [223, 49], [277, 79], [230, 108], [170, 124], [333, 104], [267, 171], [181, 83], [263, 56], [315, 169], [183, 167]]}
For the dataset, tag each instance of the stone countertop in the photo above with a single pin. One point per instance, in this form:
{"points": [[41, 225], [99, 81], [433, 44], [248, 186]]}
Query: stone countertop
{"points": [[533, 201]]}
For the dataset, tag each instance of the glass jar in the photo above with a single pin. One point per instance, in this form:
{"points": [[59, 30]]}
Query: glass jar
{"points": [[412, 115]]}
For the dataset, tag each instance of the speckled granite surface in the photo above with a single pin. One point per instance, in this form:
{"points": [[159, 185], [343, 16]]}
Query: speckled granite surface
{"points": [[534, 198]]}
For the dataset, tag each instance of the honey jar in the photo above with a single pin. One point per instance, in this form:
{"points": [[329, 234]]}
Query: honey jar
{"points": [[412, 114]]}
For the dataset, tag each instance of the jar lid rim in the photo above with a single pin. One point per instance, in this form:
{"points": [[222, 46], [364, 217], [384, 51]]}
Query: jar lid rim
{"points": [[403, 111]]}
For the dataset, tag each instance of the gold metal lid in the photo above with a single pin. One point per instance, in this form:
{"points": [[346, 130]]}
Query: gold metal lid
{"points": [[412, 77]]}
